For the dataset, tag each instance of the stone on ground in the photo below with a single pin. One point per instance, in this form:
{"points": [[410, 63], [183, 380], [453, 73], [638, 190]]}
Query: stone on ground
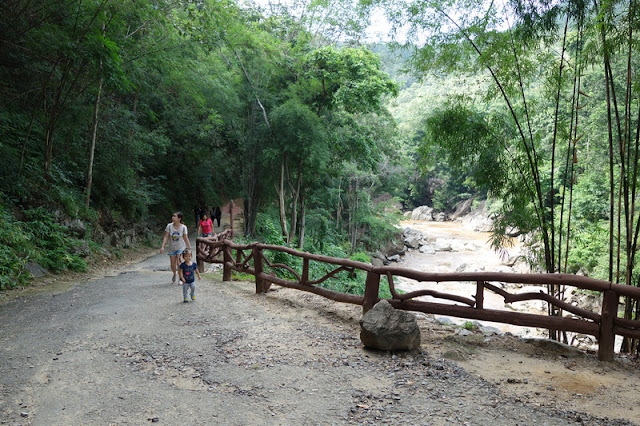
{"points": [[386, 328]]}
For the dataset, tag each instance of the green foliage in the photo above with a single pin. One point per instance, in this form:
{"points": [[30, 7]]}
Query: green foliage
{"points": [[344, 281], [268, 231], [195, 104], [55, 247], [40, 239], [12, 268], [349, 78], [15, 251], [380, 226], [241, 276], [469, 325], [321, 231], [302, 137], [462, 144], [591, 195], [589, 252], [360, 257]]}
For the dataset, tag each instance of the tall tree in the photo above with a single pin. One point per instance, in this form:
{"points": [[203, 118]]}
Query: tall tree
{"points": [[333, 83]]}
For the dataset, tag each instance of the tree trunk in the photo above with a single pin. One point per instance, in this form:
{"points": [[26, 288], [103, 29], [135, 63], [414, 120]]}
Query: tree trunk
{"points": [[92, 145], [48, 148], [353, 216], [24, 144], [252, 200], [303, 212], [340, 207], [350, 218], [629, 161], [250, 174], [295, 197], [281, 202]]}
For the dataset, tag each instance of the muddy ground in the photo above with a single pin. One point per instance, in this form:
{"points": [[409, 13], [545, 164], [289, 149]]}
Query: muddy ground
{"points": [[120, 347]]}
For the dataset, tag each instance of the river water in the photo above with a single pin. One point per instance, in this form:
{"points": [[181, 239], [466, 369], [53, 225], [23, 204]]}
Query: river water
{"points": [[471, 252]]}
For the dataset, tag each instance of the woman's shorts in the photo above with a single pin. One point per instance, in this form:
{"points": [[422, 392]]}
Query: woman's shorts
{"points": [[175, 253], [207, 234]]}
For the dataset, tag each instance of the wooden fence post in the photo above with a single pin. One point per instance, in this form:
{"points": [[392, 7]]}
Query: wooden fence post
{"points": [[199, 251], [371, 291], [257, 265], [479, 294], [305, 271], [606, 338], [226, 256], [231, 205]]}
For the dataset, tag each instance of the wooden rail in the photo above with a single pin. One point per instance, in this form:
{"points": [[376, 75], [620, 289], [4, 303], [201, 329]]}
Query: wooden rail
{"points": [[251, 259]]}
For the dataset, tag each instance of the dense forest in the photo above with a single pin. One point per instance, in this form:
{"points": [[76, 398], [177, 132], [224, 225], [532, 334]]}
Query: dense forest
{"points": [[115, 113]]}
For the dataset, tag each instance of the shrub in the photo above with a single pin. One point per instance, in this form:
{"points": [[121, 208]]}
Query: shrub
{"points": [[15, 251], [469, 325], [37, 239]]}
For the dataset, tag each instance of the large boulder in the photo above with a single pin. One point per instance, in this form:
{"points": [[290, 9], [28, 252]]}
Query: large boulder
{"points": [[462, 209], [389, 329], [394, 248], [422, 213], [443, 244], [440, 217], [36, 270], [412, 242], [428, 249], [413, 239], [377, 261], [478, 220]]}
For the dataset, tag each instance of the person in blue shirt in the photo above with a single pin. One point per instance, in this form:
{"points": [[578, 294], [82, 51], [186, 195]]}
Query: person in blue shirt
{"points": [[187, 277]]}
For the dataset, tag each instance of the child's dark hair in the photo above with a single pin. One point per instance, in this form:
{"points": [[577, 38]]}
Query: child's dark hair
{"points": [[186, 251]]}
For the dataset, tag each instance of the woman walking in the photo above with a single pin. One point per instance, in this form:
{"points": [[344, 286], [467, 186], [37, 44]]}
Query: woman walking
{"points": [[178, 237]]}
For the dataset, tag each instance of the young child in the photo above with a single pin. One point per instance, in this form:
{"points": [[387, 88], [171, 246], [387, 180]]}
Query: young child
{"points": [[187, 280], [206, 226]]}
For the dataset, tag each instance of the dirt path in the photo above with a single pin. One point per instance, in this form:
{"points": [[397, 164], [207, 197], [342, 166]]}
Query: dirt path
{"points": [[122, 348]]}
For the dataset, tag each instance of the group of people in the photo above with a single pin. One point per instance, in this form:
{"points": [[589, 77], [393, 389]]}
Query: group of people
{"points": [[176, 235], [180, 257]]}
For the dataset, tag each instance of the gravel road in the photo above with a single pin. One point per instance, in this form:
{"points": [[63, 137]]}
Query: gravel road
{"points": [[125, 349]]}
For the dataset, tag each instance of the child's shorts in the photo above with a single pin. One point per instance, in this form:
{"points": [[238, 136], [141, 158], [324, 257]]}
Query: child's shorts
{"points": [[175, 253]]}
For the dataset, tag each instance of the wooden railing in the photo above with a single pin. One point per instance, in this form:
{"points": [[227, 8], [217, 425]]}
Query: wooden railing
{"points": [[604, 326]]}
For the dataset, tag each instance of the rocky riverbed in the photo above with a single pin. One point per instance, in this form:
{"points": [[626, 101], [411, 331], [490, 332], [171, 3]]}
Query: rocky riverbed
{"points": [[455, 247]]}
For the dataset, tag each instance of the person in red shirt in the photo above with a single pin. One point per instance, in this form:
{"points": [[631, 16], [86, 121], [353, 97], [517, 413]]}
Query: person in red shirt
{"points": [[206, 226]]}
